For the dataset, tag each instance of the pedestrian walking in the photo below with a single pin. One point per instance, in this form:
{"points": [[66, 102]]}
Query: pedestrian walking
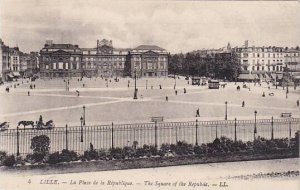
{"points": [[28, 93], [160, 86], [176, 92], [198, 113], [263, 95], [243, 104], [167, 99], [34, 86], [297, 103], [184, 90]]}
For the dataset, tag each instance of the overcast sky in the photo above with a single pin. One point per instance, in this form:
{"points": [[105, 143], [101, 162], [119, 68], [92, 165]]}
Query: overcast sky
{"points": [[174, 25]]}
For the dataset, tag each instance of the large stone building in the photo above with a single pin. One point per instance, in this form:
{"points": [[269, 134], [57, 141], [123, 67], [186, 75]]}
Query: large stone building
{"points": [[60, 60], [67, 60], [261, 62], [292, 59], [104, 60], [149, 61], [10, 62], [5, 64]]}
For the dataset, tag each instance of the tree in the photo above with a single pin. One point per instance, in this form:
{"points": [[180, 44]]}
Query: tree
{"points": [[40, 144]]}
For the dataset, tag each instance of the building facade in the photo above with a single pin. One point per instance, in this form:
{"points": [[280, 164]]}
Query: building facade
{"points": [[104, 60], [149, 61], [32, 64], [261, 59], [5, 62], [292, 59], [67, 60], [60, 60]]}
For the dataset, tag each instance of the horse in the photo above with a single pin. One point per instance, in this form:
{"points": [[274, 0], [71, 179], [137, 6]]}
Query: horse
{"points": [[50, 124], [26, 123], [4, 126]]}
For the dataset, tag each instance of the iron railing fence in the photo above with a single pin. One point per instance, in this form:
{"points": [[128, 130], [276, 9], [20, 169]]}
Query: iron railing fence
{"points": [[77, 138]]}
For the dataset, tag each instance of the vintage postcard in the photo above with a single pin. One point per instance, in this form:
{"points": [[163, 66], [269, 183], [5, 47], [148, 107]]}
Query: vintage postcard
{"points": [[153, 94]]}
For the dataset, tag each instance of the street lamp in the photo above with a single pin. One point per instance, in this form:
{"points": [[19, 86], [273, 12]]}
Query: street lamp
{"points": [[255, 129], [81, 136], [226, 110], [276, 79], [135, 90], [146, 84], [83, 115], [174, 81]]}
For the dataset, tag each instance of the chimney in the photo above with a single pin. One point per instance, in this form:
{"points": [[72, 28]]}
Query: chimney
{"points": [[49, 42], [246, 44]]}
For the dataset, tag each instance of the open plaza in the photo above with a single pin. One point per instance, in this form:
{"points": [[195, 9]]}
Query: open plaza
{"points": [[108, 101]]}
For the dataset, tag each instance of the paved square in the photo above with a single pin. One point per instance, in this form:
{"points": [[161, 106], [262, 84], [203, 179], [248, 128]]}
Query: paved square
{"points": [[110, 101]]}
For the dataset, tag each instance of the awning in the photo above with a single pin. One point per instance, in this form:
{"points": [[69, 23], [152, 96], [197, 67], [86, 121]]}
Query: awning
{"points": [[10, 75], [247, 76], [16, 74], [279, 76]]}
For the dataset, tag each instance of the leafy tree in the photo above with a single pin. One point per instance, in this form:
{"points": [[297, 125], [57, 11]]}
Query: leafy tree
{"points": [[40, 144]]}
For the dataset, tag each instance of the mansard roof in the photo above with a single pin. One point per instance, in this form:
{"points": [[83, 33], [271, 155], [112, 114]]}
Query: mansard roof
{"points": [[149, 47], [61, 46]]}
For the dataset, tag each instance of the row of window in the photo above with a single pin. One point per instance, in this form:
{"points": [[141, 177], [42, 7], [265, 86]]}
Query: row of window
{"points": [[104, 59], [269, 61], [262, 68], [61, 65], [273, 55], [159, 58], [149, 65]]}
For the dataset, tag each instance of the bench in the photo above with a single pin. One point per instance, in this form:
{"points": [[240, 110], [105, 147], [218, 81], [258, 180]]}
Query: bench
{"points": [[157, 119], [286, 114]]}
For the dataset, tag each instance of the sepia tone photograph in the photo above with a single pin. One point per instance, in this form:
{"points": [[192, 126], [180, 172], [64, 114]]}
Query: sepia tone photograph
{"points": [[149, 94]]}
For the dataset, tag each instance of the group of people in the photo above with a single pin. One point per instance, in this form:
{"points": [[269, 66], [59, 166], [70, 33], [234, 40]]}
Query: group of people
{"points": [[176, 92]]}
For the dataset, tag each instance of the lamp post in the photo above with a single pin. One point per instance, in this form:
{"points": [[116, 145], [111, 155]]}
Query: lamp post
{"points": [[174, 81], [83, 115], [146, 84], [81, 129], [226, 110], [255, 129], [135, 90], [276, 80]]}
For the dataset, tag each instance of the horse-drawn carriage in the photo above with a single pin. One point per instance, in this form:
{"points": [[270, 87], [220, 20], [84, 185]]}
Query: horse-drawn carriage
{"points": [[4, 126], [39, 126]]}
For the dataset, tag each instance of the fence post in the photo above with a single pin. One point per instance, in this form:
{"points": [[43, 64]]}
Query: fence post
{"points": [[112, 135], [216, 131], [18, 145], [235, 130], [290, 130], [155, 137], [176, 133], [272, 129], [196, 132], [67, 137]]}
